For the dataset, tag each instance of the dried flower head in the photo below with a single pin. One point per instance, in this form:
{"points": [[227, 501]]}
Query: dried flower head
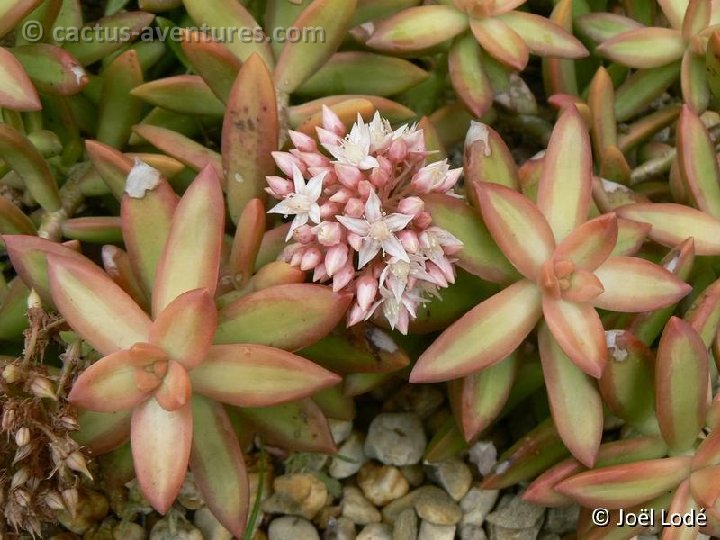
{"points": [[363, 197]]}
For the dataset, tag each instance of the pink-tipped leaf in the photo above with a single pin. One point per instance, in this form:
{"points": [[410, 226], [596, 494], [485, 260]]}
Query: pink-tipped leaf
{"points": [[16, 90], [644, 47], [161, 442], [483, 336], [501, 42], [633, 284], [191, 256], [588, 246], [543, 37], [94, 306]]}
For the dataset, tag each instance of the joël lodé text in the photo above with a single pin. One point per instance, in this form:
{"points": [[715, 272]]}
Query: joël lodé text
{"points": [[649, 517]]}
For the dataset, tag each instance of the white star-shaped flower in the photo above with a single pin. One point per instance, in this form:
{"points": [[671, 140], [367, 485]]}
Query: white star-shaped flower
{"points": [[355, 148], [376, 231], [303, 202]]}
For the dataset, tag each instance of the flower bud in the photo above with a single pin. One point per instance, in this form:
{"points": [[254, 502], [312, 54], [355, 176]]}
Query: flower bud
{"points": [[355, 241], [286, 161], [33, 300], [329, 210], [365, 290], [348, 175], [356, 315], [310, 259], [328, 233], [342, 277], [320, 274], [43, 388], [311, 159], [303, 234], [335, 258], [398, 150], [327, 137], [409, 241], [20, 477], [341, 196], [279, 187], [422, 220], [302, 142], [331, 121], [354, 208], [22, 436], [410, 205], [54, 501]]}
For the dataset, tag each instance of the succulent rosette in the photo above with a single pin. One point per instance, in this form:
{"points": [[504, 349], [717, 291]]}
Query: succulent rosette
{"points": [[359, 221]]}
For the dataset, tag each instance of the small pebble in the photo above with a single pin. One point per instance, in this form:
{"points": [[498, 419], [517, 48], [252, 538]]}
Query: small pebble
{"points": [[375, 531], [471, 532], [357, 508], [340, 529], [519, 520], [351, 456], [406, 525], [340, 430], [414, 474], [299, 494], [382, 483], [477, 504], [453, 476], [430, 531], [436, 506], [392, 511], [561, 520], [483, 455], [292, 528], [209, 525], [396, 439]]}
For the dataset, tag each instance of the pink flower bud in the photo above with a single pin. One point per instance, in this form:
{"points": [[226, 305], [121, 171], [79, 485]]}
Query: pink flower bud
{"points": [[398, 150], [296, 258], [311, 159], [329, 210], [335, 258], [379, 177], [342, 277], [422, 220], [331, 121], [437, 275], [341, 196], [356, 315], [327, 138], [320, 274], [302, 142], [355, 241], [328, 233], [354, 208], [452, 177], [410, 205], [285, 162], [366, 287], [365, 188], [415, 142], [310, 259], [409, 241], [348, 175], [329, 172], [303, 234], [279, 187]]}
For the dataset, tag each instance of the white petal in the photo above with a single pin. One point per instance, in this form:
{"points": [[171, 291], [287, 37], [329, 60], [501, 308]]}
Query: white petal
{"points": [[397, 222], [315, 213], [298, 180], [368, 250], [298, 221], [281, 208], [368, 162], [314, 186], [355, 225], [392, 246], [373, 211]]}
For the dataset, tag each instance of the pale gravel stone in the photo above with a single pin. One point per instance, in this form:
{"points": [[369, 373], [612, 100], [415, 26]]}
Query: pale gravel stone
{"points": [[436, 506], [396, 439], [210, 527], [430, 531], [352, 449], [298, 494], [292, 528], [375, 531], [340, 430], [382, 484], [455, 477], [406, 525], [340, 529], [472, 532], [483, 455], [477, 504], [357, 508]]}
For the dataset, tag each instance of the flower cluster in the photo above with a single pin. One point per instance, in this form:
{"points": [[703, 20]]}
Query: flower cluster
{"points": [[365, 198]]}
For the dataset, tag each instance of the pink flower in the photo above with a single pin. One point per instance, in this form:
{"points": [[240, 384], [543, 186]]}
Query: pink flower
{"points": [[303, 202]]}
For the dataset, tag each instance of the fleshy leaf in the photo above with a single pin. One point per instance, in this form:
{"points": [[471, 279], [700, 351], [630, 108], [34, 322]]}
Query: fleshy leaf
{"points": [[254, 317], [16, 90], [501, 42], [574, 400], [483, 336], [479, 398], [249, 135], [110, 384], [468, 75], [564, 192], [185, 328], [161, 442], [218, 465], [579, 332], [480, 255], [191, 256], [637, 49], [620, 486], [257, 376], [299, 426], [633, 284], [94, 306], [102, 432], [542, 36], [246, 244], [517, 226], [681, 381], [588, 246]]}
